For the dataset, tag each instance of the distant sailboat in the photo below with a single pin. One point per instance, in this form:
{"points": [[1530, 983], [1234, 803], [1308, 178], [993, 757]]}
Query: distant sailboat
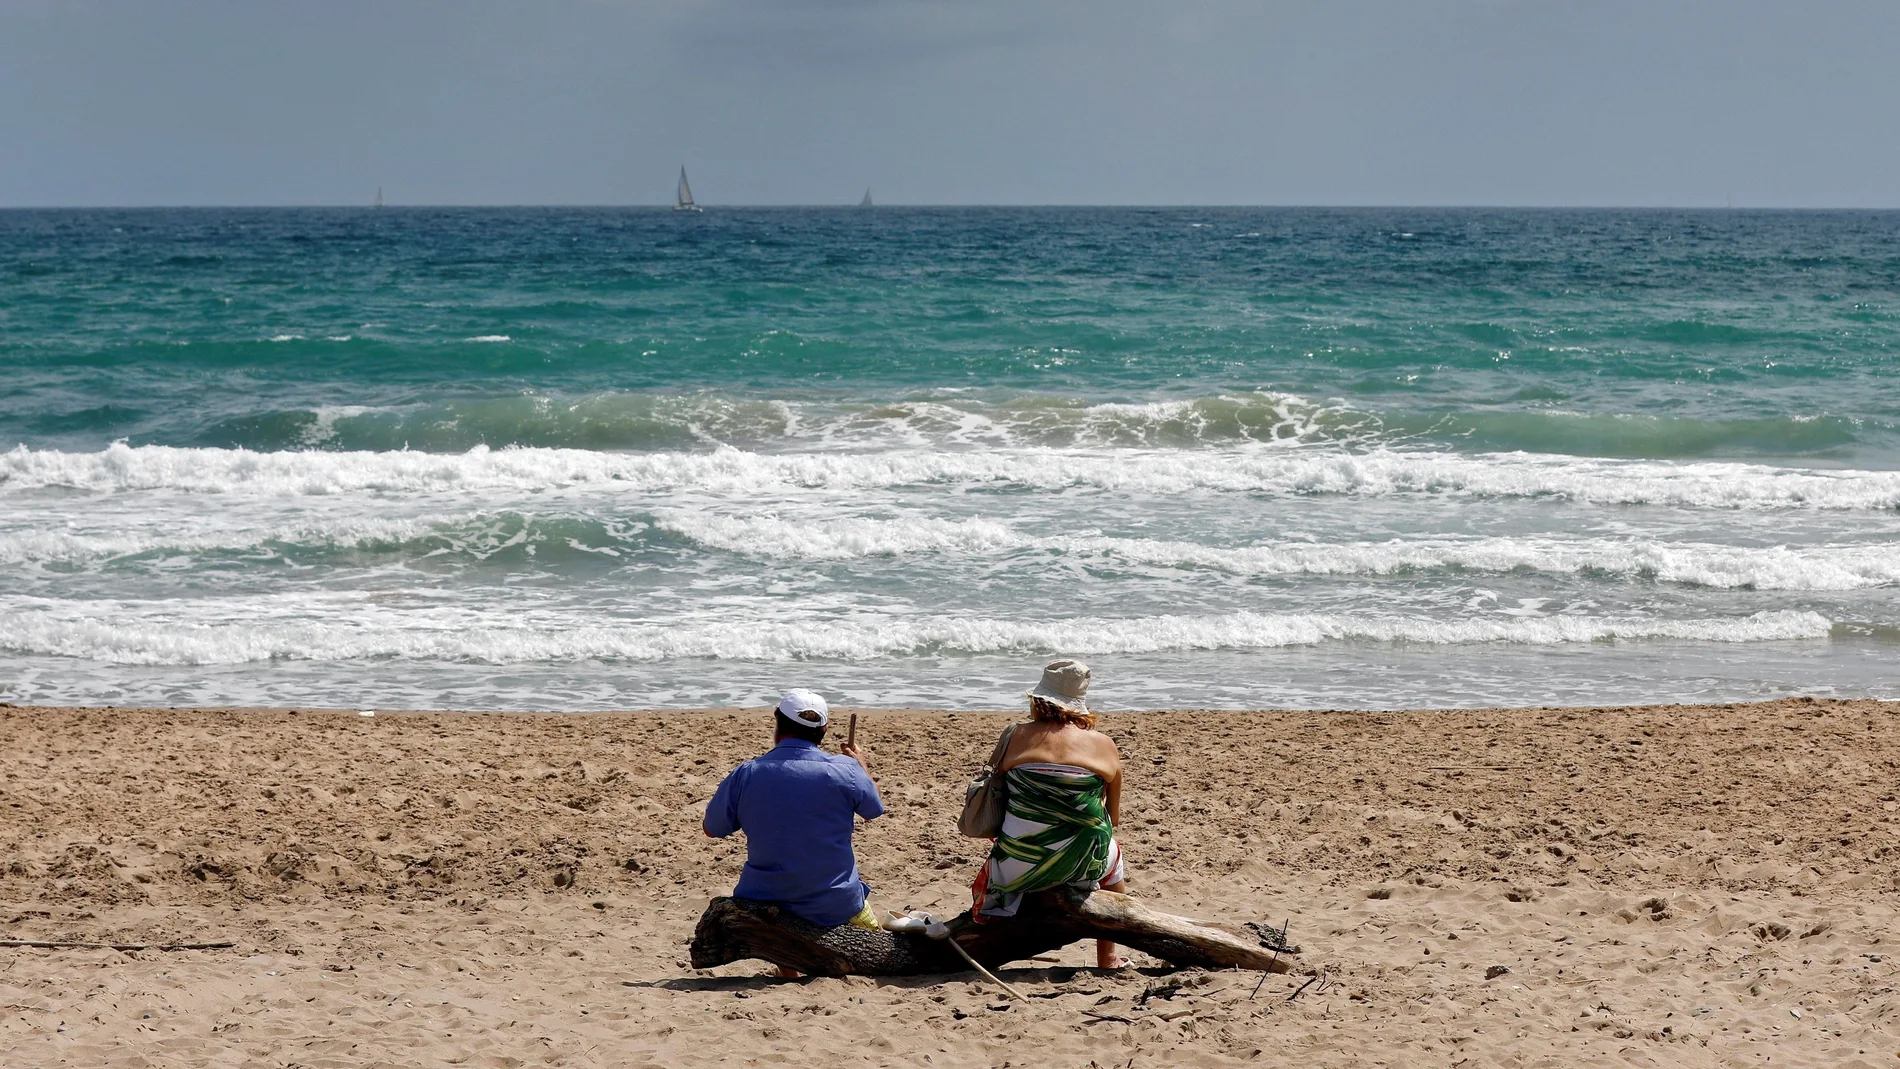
{"points": [[683, 200], [379, 196], [866, 202]]}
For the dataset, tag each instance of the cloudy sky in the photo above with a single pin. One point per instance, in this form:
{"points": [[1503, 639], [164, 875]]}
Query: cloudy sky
{"points": [[1495, 102]]}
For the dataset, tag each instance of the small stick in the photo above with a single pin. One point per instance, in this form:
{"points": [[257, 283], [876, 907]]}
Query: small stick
{"points": [[851, 737], [1300, 989], [988, 975], [1106, 1017], [45, 944]]}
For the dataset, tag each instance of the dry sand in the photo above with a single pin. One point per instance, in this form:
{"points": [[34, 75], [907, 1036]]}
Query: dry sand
{"points": [[1666, 886]]}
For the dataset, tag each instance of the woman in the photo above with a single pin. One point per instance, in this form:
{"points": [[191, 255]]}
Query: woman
{"points": [[1061, 805]]}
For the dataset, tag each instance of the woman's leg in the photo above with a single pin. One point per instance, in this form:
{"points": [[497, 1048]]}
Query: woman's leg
{"points": [[1105, 955]]}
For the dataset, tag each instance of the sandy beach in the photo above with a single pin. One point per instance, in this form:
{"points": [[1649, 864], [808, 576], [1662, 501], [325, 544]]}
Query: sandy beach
{"points": [[1667, 886]]}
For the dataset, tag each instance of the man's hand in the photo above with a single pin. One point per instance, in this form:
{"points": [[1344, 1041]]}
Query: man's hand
{"points": [[853, 753]]}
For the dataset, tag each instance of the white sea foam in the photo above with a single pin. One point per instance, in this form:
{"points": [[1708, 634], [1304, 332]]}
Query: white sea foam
{"points": [[1830, 567], [842, 538], [733, 471], [837, 538], [118, 635], [489, 338], [52, 546]]}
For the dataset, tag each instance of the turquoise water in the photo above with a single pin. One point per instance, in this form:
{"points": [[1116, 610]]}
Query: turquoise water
{"points": [[600, 458]]}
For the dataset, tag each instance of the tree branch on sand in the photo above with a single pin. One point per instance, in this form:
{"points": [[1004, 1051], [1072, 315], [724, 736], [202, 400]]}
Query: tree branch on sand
{"points": [[734, 929]]}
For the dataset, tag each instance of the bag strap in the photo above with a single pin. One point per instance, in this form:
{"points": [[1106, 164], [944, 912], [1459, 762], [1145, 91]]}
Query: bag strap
{"points": [[1002, 747]]}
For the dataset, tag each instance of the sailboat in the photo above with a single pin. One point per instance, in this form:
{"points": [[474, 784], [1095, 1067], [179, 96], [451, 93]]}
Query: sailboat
{"points": [[683, 200], [866, 202], [379, 196]]}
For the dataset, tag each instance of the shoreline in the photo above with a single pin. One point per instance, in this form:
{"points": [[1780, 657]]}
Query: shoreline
{"points": [[926, 710], [1669, 885]]}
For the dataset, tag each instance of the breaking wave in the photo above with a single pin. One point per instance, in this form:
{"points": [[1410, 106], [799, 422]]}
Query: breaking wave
{"points": [[728, 470], [482, 536], [1833, 567], [98, 636], [642, 421]]}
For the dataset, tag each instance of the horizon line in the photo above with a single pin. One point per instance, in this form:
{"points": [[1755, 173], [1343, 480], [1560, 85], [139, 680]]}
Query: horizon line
{"points": [[848, 206]]}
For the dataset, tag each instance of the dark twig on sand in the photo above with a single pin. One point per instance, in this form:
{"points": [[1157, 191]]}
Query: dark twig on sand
{"points": [[1167, 989], [46, 944], [1106, 1017], [1278, 945], [1302, 988]]}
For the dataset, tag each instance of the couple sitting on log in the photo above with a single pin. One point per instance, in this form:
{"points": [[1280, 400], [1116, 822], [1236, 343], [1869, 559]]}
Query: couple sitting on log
{"points": [[1061, 800]]}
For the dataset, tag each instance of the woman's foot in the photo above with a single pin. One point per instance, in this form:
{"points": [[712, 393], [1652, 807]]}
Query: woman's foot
{"points": [[1106, 956]]}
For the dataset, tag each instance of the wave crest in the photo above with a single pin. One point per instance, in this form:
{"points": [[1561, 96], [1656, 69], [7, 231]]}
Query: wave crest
{"points": [[123, 468], [1834, 567], [639, 421], [102, 638]]}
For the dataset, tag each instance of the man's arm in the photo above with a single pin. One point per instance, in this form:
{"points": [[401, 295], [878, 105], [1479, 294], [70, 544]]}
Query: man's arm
{"points": [[722, 813], [869, 804]]}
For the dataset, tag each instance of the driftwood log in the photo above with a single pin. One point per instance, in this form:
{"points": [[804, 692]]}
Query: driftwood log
{"points": [[734, 929]]}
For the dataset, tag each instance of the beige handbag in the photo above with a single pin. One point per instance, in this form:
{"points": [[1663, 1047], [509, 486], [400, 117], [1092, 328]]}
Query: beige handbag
{"points": [[984, 798]]}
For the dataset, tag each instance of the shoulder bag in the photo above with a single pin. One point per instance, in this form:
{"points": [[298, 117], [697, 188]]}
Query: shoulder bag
{"points": [[984, 798]]}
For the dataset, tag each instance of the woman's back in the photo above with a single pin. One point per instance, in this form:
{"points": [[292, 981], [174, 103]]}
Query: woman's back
{"points": [[1057, 743], [1043, 742]]}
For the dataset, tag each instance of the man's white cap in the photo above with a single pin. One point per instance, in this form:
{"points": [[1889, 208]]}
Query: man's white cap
{"points": [[805, 707]]}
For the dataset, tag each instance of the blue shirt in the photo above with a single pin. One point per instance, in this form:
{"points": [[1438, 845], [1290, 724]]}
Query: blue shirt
{"points": [[795, 804]]}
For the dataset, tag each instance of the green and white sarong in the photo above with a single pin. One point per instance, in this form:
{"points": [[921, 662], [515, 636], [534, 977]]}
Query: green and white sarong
{"points": [[1056, 831]]}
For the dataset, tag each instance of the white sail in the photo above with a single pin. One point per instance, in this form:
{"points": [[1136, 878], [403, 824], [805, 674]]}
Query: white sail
{"points": [[866, 202], [683, 200]]}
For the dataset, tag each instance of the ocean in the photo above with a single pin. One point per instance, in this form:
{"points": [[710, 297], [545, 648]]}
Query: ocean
{"points": [[1233, 458]]}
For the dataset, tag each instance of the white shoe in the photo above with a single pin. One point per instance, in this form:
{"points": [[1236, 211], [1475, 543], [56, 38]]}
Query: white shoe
{"points": [[914, 921], [918, 921]]}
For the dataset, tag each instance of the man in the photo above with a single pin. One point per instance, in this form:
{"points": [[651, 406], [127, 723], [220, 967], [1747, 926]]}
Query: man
{"points": [[795, 804]]}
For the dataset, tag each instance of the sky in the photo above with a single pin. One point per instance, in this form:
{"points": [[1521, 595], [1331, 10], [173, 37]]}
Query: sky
{"points": [[1764, 103]]}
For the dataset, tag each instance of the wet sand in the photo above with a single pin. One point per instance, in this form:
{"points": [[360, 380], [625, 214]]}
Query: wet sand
{"points": [[1668, 886]]}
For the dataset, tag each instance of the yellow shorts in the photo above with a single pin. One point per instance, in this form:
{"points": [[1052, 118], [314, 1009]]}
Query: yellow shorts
{"points": [[866, 918]]}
